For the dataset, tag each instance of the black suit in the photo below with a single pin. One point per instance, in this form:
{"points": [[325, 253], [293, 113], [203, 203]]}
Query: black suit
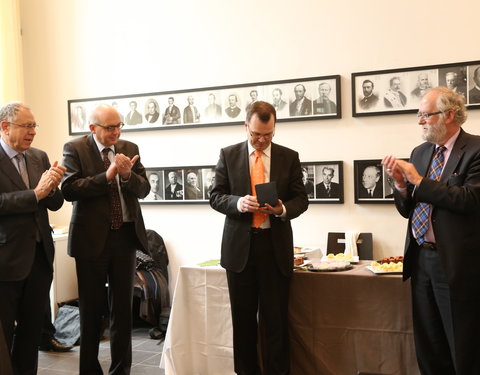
{"points": [[377, 192], [266, 258], [176, 194], [305, 108], [322, 191], [102, 253], [455, 222], [26, 267]]}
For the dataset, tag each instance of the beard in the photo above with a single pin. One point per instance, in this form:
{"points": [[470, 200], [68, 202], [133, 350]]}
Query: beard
{"points": [[435, 133]]}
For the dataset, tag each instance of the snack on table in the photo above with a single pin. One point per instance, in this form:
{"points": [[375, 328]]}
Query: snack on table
{"points": [[330, 266], [392, 259], [387, 267], [298, 260], [339, 257]]}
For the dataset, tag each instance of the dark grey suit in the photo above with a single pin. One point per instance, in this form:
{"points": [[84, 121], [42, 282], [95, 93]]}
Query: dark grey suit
{"points": [[101, 252], [26, 267], [455, 222], [232, 181]]}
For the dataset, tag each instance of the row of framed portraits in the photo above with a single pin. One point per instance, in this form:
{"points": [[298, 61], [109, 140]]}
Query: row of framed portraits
{"points": [[305, 99], [380, 92], [323, 182]]}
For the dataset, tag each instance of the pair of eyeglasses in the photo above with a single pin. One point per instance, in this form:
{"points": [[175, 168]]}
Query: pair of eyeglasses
{"points": [[26, 126], [425, 115], [258, 136], [111, 128]]}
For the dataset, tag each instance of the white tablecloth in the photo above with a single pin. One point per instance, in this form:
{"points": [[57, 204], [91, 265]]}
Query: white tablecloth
{"points": [[199, 335]]}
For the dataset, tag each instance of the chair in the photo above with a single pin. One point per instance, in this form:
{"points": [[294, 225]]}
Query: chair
{"points": [[336, 244]]}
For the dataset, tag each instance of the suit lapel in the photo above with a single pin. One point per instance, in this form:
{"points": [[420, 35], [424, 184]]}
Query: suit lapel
{"points": [[275, 163], [424, 160], [34, 168], [244, 166], [97, 158], [455, 157], [10, 171]]}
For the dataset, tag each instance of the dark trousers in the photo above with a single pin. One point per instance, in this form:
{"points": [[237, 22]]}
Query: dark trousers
{"points": [[48, 329], [115, 266], [261, 288], [23, 302], [432, 316]]}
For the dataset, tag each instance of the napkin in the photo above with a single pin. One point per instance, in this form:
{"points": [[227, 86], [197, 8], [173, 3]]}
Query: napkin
{"points": [[351, 243]]}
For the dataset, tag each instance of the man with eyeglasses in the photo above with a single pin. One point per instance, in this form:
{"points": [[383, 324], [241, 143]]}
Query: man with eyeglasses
{"points": [[438, 191], [28, 188], [257, 245], [104, 180]]}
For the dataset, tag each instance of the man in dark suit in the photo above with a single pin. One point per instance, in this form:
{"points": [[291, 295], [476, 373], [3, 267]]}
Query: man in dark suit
{"points": [[104, 180], [323, 104], [133, 117], [474, 93], [28, 188], [327, 188], [172, 113], [258, 257], [190, 112], [394, 97], [369, 100], [174, 190], [372, 186], [152, 114], [233, 110], [442, 252], [301, 106]]}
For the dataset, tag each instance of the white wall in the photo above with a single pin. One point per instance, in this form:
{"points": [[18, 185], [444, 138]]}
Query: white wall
{"points": [[90, 48]]}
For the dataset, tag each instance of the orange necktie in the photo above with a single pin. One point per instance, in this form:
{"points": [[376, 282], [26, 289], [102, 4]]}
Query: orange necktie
{"points": [[257, 177]]}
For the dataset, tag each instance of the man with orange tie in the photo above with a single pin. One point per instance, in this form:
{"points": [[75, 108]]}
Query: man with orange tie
{"points": [[257, 245]]}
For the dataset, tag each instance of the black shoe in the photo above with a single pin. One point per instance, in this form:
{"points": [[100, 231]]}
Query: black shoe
{"points": [[52, 344]]}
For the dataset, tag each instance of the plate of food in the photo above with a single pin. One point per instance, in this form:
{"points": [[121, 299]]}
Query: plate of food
{"points": [[329, 266], [387, 268], [330, 257]]}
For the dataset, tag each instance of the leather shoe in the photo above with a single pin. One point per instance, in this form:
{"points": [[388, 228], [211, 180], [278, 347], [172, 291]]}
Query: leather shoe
{"points": [[52, 344]]}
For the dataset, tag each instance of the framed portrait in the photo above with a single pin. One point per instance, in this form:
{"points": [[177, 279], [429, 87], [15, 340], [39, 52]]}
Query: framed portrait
{"points": [[385, 92], [180, 184], [372, 184], [314, 98], [323, 181]]}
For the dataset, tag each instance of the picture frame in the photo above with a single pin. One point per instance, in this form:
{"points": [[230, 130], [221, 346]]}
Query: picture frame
{"points": [[370, 175], [315, 174], [190, 184], [215, 106], [393, 91]]}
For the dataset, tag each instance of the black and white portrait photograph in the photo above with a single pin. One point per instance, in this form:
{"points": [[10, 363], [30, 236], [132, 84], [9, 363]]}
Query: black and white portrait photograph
{"points": [[213, 108], [193, 184], [454, 78], [421, 81], [325, 103], [300, 101], [152, 111], [132, 115], [371, 184], [155, 177], [173, 184], [323, 181], [79, 118], [474, 84], [208, 181], [232, 105]]}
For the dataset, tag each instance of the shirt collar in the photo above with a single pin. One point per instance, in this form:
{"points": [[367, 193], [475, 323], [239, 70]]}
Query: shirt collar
{"points": [[266, 152], [101, 147], [11, 153], [451, 141]]}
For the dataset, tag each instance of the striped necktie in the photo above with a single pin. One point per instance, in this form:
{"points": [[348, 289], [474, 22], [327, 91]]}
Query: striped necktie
{"points": [[421, 213], [22, 168]]}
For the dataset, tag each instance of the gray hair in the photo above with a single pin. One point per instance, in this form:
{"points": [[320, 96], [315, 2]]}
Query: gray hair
{"points": [[9, 111], [450, 100]]}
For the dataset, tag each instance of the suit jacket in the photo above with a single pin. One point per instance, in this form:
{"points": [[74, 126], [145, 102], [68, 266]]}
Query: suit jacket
{"points": [[171, 116], [21, 215], [324, 106], [134, 118], [192, 192], [85, 184], [377, 193], [152, 118], [455, 223], [474, 96], [232, 112], [176, 194], [305, 109], [368, 102], [189, 116], [232, 181], [334, 190]]}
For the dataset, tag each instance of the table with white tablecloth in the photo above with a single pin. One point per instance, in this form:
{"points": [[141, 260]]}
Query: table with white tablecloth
{"points": [[340, 323]]}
